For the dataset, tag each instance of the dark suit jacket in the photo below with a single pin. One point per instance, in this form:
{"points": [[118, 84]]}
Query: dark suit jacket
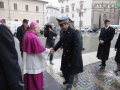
{"points": [[70, 41], [20, 33], [106, 36], [50, 41], [10, 74]]}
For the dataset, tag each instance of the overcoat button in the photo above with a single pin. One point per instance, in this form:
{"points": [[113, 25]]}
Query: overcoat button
{"points": [[64, 55], [67, 51]]}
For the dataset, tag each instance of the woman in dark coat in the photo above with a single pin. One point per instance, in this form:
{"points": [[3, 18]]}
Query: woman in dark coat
{"points": [[117, 57]]}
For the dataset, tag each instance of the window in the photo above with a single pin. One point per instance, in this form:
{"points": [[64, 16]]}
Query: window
{"points": [[104, 8], [110, 9], [37, 21], [81, 2], [114, 10], [114, 17], [72, 15], [1, 4], [37, 9], [26, 8], [62, 10], [73, 8], [15, 6], [81, 6], [16, 19], [67, 9], [110, 16]]}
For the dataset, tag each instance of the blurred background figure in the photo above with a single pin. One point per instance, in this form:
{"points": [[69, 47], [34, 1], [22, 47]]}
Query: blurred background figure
{"points": [[21, 32], [51, 34]]}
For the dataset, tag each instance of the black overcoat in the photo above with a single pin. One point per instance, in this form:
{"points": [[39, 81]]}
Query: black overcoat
{"points": [[104, 49], [71, 58], [10, 74], [117, 46]]}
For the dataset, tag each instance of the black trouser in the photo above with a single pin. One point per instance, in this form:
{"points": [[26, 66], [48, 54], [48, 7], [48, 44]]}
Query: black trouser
{"points": [[21, 52], [103, 62], [51, 57], [68, 78]]}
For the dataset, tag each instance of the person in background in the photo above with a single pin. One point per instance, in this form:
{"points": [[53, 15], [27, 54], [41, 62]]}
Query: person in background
{"points": [[50, 41], [70, 41], [34, 56], [21, 32], [105, 38], [10, 73], [1, 21], [117, 56]]}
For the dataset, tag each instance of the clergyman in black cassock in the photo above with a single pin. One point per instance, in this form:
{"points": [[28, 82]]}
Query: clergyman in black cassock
{"points": [[10, 73]]}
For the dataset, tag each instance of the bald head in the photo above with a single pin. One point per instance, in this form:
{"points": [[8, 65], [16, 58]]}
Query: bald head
{"points": [[53, 26]]}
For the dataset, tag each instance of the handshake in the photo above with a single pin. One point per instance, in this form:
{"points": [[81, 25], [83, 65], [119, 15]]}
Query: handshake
{"points": [[51, 51]]}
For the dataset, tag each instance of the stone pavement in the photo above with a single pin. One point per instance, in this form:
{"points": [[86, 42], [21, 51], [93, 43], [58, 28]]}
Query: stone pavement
{"points": [[95, 79]]}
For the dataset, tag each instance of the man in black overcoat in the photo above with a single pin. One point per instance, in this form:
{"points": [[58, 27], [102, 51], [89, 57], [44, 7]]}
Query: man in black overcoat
{"points": [[10, 73], [106, 35], [70, 41], [21, 30]]}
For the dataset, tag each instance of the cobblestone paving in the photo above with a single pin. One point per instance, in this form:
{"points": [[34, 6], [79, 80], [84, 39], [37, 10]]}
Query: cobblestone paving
{"points": [[95, 79]]}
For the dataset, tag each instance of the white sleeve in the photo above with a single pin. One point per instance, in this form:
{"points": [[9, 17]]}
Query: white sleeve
{"points": [[45, 54]]}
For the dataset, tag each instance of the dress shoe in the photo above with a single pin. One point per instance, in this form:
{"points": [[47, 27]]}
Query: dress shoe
{"points": [[102, 67], [51, 63], [64, 82], [116, 71], [69, 87]]}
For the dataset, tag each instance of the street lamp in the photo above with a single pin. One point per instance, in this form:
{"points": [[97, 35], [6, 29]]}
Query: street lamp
{"points": [[81, 11]]}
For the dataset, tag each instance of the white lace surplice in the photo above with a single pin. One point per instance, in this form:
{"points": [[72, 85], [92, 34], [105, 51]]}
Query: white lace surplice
{"points": [[35, 63]]}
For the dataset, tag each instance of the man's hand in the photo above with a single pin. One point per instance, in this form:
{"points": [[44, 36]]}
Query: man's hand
{"points": [[115, 49], [101, 41], [59, 49], [50, 29], [51, 51]]}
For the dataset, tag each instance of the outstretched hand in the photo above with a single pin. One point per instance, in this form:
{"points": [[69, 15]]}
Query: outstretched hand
{"points": [[51, 51]]}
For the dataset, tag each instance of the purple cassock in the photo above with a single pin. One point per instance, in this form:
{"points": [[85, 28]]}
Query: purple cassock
{"points": [[33, 79]]}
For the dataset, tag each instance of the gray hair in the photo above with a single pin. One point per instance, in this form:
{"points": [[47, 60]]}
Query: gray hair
{"points": [[33, 27]]}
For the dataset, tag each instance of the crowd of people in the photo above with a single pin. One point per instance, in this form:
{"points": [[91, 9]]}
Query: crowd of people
{"points": [[34, 54]]}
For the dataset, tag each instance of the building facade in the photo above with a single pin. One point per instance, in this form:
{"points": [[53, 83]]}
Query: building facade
{"points": [[52, 12], [17, 10], [68, 8], [104, 9], [94, 14]]}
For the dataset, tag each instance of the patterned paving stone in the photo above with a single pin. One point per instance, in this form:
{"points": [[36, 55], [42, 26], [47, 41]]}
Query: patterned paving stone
{"points": [[95, 79]]}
